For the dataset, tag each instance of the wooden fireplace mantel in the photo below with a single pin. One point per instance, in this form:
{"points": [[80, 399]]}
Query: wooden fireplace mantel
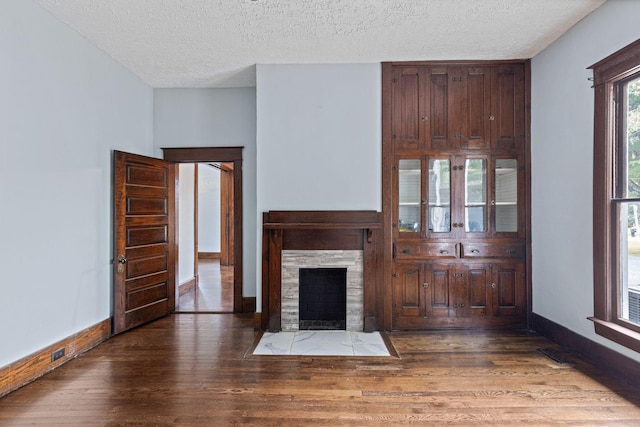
{"points": [[321, 230]]}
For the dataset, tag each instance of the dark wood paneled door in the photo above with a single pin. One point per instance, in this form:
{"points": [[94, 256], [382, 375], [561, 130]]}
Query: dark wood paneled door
{"points": [[144, 240]]}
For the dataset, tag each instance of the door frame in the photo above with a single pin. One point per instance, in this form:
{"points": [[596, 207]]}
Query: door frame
{"points": [[226, 155]]}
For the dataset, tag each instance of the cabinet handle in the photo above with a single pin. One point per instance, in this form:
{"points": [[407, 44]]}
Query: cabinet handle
{"points": [[511, 251], [444, 251], [492, 117], [425, 284], [475, 251], [493, 286], [407, 251], [423, 118]]}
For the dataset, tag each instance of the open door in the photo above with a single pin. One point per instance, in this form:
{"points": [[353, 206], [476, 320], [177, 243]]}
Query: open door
{"points": [[143, 240]]}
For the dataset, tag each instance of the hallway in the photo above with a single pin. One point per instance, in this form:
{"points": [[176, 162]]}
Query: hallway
{"points": [[214, 292]]}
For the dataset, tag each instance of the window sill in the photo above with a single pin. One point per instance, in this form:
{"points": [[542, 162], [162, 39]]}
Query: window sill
{"points": [[617, 333]]}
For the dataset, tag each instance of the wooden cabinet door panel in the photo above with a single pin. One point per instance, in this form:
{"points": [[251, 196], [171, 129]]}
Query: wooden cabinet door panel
{"points": [[438, 278], [478, 282], [438, 108], [408, 292], [408, 109], [508, 290], [507, 107], [475, 102]]}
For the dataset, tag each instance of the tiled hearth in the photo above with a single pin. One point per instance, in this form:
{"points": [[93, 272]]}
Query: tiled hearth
{"points": [[322, 343], [294, 260]]}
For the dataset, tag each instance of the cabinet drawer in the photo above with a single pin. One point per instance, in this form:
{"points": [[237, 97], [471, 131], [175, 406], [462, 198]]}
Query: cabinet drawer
{"points": [[493, 250], [425, 250]]}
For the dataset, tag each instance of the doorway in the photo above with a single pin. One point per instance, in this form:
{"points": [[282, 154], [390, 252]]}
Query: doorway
{"points": [[216, 282], [205, 236]]}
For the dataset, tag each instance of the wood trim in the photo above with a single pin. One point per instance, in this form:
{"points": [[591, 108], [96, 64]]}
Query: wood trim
{"points": [[208, 255], [619, 63], [32, 367], [176, 221], [457, 62], [227, 215], [249, 304], [622, 335], [203, 154], [238, 261], [195, 220], [187, 285], [387, 192], [612, 363], [527, 182], [257, 321]]}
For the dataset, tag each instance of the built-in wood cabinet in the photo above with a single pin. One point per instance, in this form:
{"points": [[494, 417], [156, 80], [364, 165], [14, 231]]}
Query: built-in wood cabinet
{"points": [[444, 107], [455, 194], [458, 294]]}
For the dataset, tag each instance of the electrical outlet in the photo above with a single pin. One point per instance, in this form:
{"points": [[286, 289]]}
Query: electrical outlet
{"points": [[57, 354]]}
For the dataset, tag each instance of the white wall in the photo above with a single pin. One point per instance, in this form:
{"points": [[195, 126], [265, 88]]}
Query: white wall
{"points": [[208, 209], [186, 222], [64, 106], [562, 161], [215, 118], [318, 139]]}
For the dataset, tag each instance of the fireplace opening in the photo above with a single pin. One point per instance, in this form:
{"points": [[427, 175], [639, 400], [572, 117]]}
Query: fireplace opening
{"points": [[323, 299]]}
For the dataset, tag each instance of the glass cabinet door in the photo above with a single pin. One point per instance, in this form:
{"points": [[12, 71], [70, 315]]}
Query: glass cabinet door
{"points": [[409, 195], [506, 195], [475, 195], [439, 191]]}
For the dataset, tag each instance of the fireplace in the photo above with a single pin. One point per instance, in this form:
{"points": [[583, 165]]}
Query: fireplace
{"points": [[322, 298], [294, 261], [295, 241]]}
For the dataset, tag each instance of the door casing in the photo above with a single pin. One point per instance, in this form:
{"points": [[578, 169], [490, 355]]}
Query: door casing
{"points": [[226, 155]]}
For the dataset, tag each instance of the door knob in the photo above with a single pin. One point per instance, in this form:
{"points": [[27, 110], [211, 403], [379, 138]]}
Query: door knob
{"points": [[121, 263]]}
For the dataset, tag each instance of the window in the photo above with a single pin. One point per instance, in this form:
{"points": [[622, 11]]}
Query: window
{"points": [[616, 197]]}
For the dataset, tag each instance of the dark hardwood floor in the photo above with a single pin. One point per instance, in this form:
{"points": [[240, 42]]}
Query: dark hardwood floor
{"points": [[191, 370], [214, 293]]}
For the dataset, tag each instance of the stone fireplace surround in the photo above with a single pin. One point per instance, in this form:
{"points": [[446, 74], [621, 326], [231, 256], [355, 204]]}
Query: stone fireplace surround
{"points": [[293, 261], [310, 239]]}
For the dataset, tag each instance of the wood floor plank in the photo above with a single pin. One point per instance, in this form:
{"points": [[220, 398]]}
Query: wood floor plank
{"points": [[191, 370]]}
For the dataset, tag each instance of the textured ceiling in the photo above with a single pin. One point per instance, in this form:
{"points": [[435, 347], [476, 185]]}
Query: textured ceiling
{"points": [[216, 43]]}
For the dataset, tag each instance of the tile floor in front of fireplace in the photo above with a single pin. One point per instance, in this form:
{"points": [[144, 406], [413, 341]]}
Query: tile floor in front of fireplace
{"points": [[322, 343]]}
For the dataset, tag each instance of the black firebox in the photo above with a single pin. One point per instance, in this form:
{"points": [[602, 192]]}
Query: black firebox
{"points": [[323, 298]]}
